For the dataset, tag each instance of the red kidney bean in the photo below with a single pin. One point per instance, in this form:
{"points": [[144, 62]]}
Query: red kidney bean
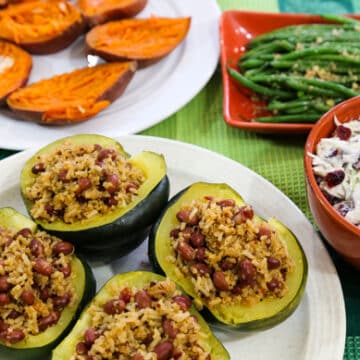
{"points": [[38, 168], [137, 356], [247, 271], [47, 321], [81, 348], [186, 251], [13, 314], [49, 209], [175, 233], [97, 147], [227, 264], [3, 326], [27, 297], [66, 270], [43, 267], [90, 336], [201, 254], [237, 289], [272, 263], [114, 306], [283, 272], [187, 232], [131, 188], [125, 295], [111, 201], [226, 202], [183, 301], [273, 284], [148, 339], [62, 175], [64, 247], [244, 213], [61, 301], [220, 281], [201, 269], [176, 353], [164, 350], [15, 336], [169, 329], [113, 179], [264, 230], [25, 232], [197, 239], [4, 284], [83, 184], [4, 299], [185, 216], [44, 294], [143, 299], [104, 153], [36, 248]]}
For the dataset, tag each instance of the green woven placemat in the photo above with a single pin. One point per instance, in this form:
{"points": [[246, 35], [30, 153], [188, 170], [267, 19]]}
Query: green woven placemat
{"points": [[277, 158]]}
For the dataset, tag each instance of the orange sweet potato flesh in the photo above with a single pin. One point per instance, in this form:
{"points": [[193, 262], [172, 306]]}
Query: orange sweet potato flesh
{"points": [[72, 97], [15, 68], [41, 27], [97, 12], [143, 40]]}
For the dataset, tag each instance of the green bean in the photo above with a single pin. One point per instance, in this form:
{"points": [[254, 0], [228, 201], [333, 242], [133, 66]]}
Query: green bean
{"points": [[340, 19], [292, 118], [278, 105], [256, 87]]}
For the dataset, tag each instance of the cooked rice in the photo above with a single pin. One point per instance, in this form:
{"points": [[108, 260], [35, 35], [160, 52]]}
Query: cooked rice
{"points": [[56, 189], [17, 265], [229, 246], [138, 331]]}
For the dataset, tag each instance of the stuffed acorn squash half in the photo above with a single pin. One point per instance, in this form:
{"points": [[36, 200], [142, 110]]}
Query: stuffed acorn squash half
{"points": [[43, 288], [245, 272], [140, 315], [87, 190]]}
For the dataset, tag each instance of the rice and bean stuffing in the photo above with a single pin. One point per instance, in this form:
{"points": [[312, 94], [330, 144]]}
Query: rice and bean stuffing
{"points": [[229, 256], [35, 282], [77, 182], [149, 323]]}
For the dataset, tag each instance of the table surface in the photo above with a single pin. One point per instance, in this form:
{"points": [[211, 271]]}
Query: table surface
{"points": [[277, 158]]}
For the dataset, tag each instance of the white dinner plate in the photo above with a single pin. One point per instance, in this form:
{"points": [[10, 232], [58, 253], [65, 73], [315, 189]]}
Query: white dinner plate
{"points": [[153, 94], [316, 330]]}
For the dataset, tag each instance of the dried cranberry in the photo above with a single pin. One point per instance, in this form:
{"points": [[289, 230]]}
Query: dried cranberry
{"points": [[334, 178], [356, 164], [343, 132], [330, 198], [343, 208]]}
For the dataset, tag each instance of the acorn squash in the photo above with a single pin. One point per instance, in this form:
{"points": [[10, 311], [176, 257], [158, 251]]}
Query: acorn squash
{"points": [[15, 68], [138, 280], [114, 233], [72, 97], [40, 346], [249, 269], [41, 27], [144, 40]]}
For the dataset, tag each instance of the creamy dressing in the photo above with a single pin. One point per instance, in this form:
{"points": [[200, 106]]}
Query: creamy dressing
{"points": [[6, 62], [335, 155]]}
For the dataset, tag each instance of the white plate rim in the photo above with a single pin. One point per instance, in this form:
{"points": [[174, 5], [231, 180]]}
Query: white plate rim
{"points": [[323, 299], [194, 61]]}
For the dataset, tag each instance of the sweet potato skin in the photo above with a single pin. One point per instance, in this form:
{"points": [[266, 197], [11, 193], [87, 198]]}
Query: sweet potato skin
{"points": [[58, 43], [115, 13], [110, 95], [18, 25], [23, 73], [142, 61]]}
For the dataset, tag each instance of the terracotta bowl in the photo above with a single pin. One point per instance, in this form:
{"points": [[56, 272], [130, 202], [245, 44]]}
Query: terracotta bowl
{"points": [[343, 236]]}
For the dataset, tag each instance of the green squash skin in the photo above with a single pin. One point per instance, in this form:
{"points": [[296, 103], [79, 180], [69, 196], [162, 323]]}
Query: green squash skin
{"points": [[107, 241], [44, 352], [216, 319], [138, 279]]}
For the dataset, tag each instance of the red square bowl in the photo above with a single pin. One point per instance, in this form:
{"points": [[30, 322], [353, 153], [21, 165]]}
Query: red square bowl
{"points": [[237, 28]]}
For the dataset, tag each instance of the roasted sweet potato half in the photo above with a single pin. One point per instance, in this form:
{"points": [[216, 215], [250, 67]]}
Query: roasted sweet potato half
{"points": [[15, 68], [3, 3], [41, 27], [72, 97], [97, 12], [143, 40]]}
